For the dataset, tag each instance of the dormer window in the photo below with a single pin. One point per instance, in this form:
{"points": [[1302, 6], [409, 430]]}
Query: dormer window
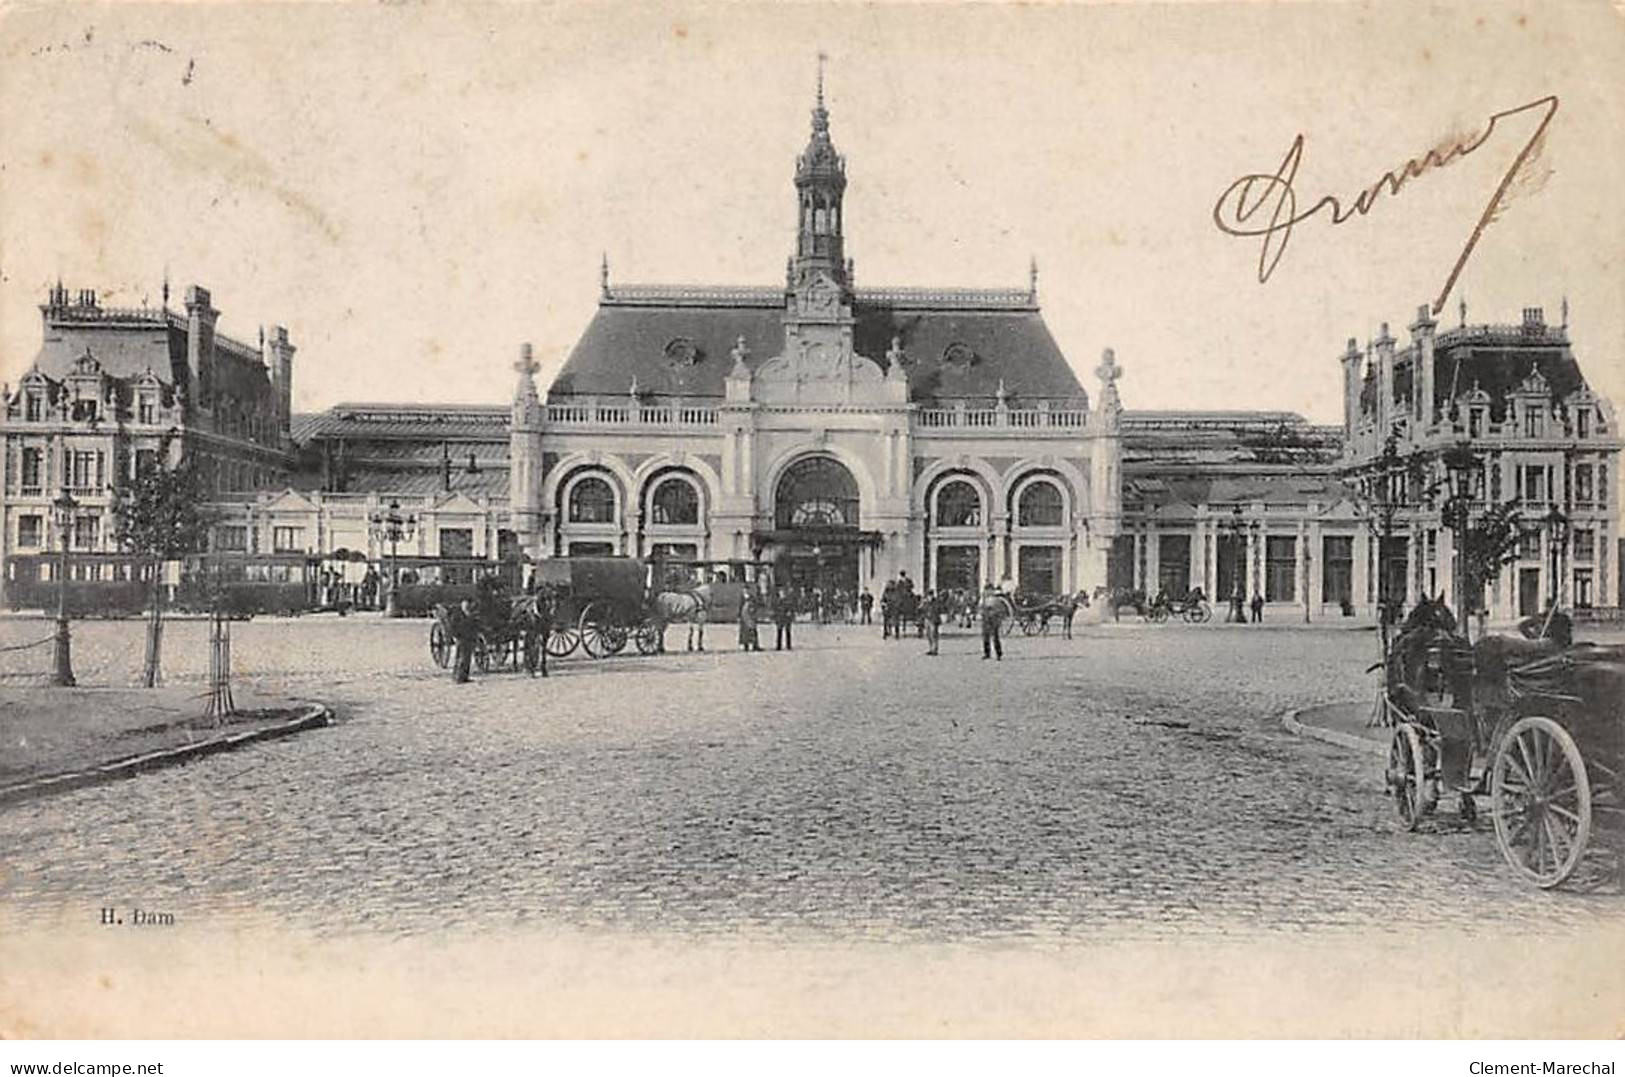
{"points": [[84, 411], [1475, 422], [1534, 422], [1582, 423], [145, 410], [34, 408]]}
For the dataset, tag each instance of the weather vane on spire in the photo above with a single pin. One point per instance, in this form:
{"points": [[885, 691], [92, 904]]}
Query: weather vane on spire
{"points": [[822, 57]]}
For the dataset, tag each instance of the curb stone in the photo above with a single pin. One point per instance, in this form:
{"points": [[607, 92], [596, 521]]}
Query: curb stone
{"points": [[312, 716], [1290, 720]]}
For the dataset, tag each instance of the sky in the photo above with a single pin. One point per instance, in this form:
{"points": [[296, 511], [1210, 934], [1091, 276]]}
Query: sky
{"points": [[413, 190]]}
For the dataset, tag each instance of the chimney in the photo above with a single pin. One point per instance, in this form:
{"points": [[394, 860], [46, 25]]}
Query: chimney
{"points": [[279, 358], [1422, 377], [1385, 381], [1534, 320], [200, 319], [1351, 390]]}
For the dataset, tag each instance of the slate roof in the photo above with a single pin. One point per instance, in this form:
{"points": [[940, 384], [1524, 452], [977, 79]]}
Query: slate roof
{"points": [[433, 422], [1002, 333], [1497, 358], [1271, 489], [1219, 438]]}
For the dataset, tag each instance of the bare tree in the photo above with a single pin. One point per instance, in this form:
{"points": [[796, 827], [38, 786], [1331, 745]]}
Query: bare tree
{"points": [[159, 514]]}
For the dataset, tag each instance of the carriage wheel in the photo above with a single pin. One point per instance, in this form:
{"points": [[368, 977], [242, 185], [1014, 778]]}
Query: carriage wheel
{"points": [[1159, 614], [600, 635], [482, 654], [1031, 626], [1199, 614], [649, 637], [562, 640], [1540, 796], [1407, 778], [440, 645]]}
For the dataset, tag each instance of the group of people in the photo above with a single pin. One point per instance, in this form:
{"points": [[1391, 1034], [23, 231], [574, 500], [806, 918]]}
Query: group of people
{"points": [[335, 592]]}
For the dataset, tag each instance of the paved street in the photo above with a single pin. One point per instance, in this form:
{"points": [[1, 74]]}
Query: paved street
{"points": [[1133, 781]]}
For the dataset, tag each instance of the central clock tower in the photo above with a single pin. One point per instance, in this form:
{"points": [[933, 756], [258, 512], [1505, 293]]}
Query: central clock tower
{"points": [[818, 287]]}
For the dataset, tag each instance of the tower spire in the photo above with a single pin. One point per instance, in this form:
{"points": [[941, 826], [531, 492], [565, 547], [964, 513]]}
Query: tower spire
{"points": [[820, 188]]}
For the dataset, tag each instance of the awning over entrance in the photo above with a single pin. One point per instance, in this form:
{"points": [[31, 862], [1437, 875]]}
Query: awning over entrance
{"points": [[817, 536]]}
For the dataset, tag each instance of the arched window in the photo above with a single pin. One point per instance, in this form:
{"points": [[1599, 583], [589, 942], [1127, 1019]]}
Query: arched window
{"points": [[592, 502], [675, 502], [816, 492], [1040, 506], [958, 505]]}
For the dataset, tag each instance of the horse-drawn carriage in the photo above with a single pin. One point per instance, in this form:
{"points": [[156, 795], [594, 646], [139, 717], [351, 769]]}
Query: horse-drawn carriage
{"points": [[596, 604], [1193, 608], [1030, 614], [1537, 725], [599, 604]]}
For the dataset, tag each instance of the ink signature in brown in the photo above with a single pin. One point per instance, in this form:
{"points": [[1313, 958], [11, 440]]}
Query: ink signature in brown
{"points": [[1265, 205]]}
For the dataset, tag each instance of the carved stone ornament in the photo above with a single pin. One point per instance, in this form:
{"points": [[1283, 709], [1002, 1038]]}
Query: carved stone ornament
{"points": [[681, 352], [959, 354]]}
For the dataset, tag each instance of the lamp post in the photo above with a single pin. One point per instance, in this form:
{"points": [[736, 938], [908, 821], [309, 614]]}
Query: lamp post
{"points": [[1239, 530], [1461, 466], [1557, 533], [62, 663], [391, 527]]}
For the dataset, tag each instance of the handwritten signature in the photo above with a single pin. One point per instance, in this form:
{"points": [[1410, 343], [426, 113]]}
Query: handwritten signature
{"points": [[1239, 210]]}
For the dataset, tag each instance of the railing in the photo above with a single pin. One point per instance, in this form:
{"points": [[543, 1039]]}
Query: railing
{"points": [[625, 413], [1002, 418]]}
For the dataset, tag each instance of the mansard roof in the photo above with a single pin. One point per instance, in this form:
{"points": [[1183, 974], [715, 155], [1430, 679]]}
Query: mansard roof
{"points": [[957, 343], [1498, 359]]}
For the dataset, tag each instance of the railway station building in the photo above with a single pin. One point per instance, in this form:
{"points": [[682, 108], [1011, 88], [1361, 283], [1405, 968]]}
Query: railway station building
{"points": [[847, 433]]}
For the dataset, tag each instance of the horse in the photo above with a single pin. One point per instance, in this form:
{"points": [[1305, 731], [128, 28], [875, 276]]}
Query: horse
{"points": [[1118, 597], [1066, 607], [692, 606], [533, 614]]}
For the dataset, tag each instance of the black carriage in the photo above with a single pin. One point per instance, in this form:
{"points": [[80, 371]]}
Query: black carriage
{"points": [[1536, 725], [1192, 609], [599, 604], [508, 631]]}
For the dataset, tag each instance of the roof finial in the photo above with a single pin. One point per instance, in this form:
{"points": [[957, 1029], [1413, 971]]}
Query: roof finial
{"points": [[166, 285], [1463, 308], [1565, 312], [822, 56], [603, 273], [1032, 278]]}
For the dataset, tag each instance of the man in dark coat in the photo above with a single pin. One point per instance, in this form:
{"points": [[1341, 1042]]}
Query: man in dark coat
{"points": [[993, 612], [784, 616], [931, 619], [866, 602], [1258, 608], [465, 632]]}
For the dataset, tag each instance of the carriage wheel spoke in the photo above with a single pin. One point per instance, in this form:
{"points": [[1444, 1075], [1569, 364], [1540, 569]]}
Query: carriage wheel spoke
{"points": [[1565, 813], [1560, 849]]}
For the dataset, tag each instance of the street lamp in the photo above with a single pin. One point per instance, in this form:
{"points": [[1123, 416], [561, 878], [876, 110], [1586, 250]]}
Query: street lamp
{"points": [[1461, 466], [62, 664], [1239, 529], [393, 528], [1557, 533]]}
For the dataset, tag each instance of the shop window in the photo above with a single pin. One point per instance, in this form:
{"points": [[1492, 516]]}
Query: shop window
{"points": [[288, 539]]}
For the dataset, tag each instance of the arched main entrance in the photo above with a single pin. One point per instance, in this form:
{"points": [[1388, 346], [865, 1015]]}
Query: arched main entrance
{"points": [[816, 539]]}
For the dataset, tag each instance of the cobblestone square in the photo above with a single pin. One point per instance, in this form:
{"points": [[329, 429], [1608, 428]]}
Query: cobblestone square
{"points": [[1132, 782]]}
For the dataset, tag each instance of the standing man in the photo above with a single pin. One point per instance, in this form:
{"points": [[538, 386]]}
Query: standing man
{"points": [[784, 615], [1258, 608], [465, 632], [866, 603], [931, 618], [992, 610]]}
